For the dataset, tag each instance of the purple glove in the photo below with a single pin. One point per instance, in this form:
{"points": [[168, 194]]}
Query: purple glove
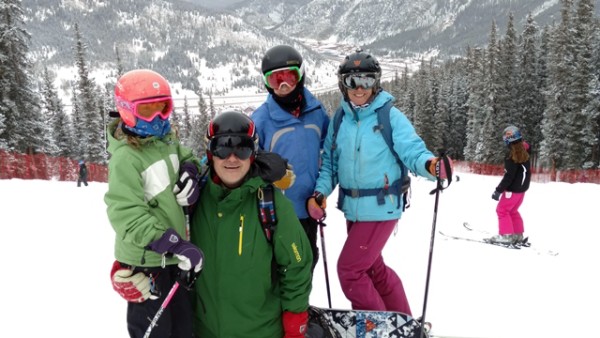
{"points": [[315, 205], [189, 254], [186, 189]]}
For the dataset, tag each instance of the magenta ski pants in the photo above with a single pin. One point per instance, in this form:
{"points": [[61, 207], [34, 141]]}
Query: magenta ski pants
{"points": [[509, 218], [367, 282]]}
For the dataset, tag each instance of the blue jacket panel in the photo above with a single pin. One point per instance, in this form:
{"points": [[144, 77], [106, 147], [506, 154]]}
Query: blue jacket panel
{"points": [[363, 160], [299, 140]]}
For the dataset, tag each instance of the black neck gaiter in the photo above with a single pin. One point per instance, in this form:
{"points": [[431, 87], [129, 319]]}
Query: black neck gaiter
{"points": [[294, 101]]}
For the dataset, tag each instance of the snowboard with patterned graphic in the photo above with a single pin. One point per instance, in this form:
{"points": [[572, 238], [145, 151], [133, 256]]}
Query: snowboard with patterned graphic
{"points": [[338, 323]]}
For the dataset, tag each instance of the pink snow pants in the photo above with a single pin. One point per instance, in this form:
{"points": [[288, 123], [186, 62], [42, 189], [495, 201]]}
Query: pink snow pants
{"points": [[367, 282], [509, 218]]}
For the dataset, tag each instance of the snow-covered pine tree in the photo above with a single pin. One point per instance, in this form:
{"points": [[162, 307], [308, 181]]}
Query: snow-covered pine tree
{"points": [[89, 131], [19, 109]]}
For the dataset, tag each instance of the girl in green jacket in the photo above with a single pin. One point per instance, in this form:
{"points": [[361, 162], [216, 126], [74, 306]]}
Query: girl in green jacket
{"points": [[144, 205]]}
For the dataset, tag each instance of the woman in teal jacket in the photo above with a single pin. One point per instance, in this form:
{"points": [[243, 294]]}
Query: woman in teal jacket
{"points": [[365, 169], [237, 294]]}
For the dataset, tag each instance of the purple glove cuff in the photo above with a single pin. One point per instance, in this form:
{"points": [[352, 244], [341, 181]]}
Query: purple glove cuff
{"points": [[171, 242]]}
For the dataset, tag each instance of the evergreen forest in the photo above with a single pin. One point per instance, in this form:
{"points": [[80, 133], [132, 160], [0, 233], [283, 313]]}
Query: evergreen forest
{"points": [[544, 80]]}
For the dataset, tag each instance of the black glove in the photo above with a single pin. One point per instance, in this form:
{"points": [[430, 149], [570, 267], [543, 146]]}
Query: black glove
{"points": [[496, 195], [271, 167]]}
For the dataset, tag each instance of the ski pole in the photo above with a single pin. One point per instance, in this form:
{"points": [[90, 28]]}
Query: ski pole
{"points": [[439, 187], [186, 212], [321, 226], [161, 309], [201, 178]]}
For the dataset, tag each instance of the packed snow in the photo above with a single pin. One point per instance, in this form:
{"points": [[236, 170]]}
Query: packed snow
{"points": [[55, 280]]}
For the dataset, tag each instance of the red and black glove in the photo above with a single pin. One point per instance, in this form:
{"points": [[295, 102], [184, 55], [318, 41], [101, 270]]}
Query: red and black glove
{"points": [[135, 289], [295, 324]]}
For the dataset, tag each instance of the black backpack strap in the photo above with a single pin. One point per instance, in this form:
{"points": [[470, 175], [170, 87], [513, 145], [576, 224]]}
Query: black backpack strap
{"points": [[268, 219], [385, 128], [337, 121], [266, 210]]}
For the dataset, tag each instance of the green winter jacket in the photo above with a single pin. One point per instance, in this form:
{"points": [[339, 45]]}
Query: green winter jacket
{"points": [[235, 296], [140, 202]]}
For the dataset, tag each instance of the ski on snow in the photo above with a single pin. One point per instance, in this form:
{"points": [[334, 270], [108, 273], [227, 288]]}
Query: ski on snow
{"points": [[524, 244], [477, 240]]}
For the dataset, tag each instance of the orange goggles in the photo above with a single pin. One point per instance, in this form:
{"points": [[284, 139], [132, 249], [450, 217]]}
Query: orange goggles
{"points": [[148, 109], [289, 75]]}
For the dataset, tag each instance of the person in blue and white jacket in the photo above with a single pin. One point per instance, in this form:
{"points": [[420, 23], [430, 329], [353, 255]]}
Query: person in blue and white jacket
{"points": [[365, 169], [293, 124]]}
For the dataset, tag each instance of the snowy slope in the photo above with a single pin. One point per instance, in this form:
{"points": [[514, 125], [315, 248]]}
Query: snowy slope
{"points": [[58, 252]]}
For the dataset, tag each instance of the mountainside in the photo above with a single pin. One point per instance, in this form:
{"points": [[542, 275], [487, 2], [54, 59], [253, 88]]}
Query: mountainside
{"points": [[195, 46], [394, 26], [220, 50]]}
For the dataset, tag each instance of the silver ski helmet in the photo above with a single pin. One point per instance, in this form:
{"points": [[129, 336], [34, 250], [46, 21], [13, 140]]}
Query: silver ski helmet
{"points": [[511, 135]]}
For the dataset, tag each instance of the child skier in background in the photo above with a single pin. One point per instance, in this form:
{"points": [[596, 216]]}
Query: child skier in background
{"points": [[511, 190]]}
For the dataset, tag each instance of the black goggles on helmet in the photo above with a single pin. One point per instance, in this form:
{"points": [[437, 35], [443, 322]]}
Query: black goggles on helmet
{"points": [[355, 80], [223, 146]]}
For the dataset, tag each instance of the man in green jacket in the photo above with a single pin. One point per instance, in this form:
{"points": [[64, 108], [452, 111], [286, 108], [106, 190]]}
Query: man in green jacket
{"points": [[236, 294]]}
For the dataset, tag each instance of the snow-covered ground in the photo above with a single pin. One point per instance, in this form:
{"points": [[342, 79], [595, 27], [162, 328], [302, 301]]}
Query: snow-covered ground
{"points": [[58, 250]]}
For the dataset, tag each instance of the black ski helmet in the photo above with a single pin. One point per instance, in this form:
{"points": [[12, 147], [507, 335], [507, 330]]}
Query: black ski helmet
{"points": [[281, 56], [230, 125], [359, 62]]}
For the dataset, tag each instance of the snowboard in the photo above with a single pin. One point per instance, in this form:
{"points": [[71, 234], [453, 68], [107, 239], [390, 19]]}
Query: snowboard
{"points": [[338, 323]]}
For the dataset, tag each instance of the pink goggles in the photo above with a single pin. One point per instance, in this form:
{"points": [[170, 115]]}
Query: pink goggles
{"points": [[147, 114], [142, 109]]}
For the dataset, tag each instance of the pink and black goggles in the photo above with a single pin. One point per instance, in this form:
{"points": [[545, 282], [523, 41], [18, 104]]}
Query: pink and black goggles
{"points": [[289, 75]]}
